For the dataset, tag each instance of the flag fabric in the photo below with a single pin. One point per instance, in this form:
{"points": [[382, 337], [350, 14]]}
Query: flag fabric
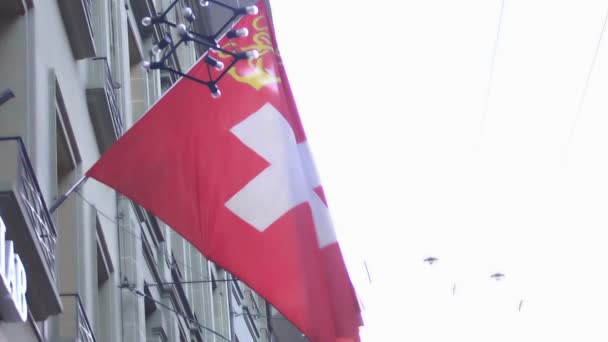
{"points": [[235, 177]]}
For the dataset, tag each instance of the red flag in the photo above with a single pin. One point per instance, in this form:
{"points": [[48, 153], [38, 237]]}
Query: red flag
{"points": [[234, 176]]}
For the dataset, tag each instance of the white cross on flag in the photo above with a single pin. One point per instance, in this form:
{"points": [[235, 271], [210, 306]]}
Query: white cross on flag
{"points": [[290, 179], [235, 177]]}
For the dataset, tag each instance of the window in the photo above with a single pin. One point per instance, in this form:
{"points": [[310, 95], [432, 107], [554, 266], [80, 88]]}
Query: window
{"points": [[182, 336], [111, 35], [236, 291], [68, 215], [68, 157], [250, 324], [165, 81]]}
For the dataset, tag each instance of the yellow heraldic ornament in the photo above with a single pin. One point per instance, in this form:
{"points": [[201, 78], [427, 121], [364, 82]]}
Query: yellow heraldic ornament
{"points": [[257, 75]]}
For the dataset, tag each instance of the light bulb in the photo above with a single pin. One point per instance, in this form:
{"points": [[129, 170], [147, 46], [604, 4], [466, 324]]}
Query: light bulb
{"points": [[216, 94], [148, 65], [252, 54], [214, 62], [188, 14], [146, 21], [252, 10], [204, 3], [242, 32], [215, 91], [182, 30]]}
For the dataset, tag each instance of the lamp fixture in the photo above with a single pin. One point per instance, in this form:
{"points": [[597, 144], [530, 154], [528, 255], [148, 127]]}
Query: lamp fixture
{"points": [[162, 44], [243, 32], [214, 62], [188, 14], [166, 47]]}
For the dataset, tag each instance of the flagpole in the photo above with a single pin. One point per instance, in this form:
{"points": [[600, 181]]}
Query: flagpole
{"points": [[63, 197]]}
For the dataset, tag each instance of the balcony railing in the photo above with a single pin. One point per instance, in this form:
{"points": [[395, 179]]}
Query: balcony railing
{"points": [[38, 213], [115, 114], [74, 322], [29, 226], [103, 103]]}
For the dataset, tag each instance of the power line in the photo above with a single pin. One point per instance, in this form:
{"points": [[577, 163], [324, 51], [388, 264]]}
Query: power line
{"points": [[108, 217], [132, 289], [369, 278], [237, 314], [204, 281], [581, 101], [138, 237], [95, 208], [492, 67]]}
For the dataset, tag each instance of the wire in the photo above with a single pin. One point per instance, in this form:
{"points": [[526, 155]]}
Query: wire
{"points": [[95, 208], [134, 235], [237, 314], [204, 281], [369, 277], [133, 290], [581, 101], [192, 320], [492, 68], [138, 237]]}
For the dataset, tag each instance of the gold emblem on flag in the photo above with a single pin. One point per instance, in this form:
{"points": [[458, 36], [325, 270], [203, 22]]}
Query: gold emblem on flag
{"points": [[256, 74]]}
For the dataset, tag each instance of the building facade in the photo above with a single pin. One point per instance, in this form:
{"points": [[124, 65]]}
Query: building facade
{"points": [[100, 267]]}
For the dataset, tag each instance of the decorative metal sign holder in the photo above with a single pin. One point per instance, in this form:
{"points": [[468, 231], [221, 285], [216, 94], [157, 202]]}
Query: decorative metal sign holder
{"points": [[166, 47]]}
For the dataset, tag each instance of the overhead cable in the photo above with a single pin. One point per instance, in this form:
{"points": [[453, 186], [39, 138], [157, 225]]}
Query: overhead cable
{"points": [[134, 235], [486, 103], [581, 101]]}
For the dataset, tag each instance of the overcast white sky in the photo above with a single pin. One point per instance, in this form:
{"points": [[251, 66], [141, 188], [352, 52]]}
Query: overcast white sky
{"points": [[392, 96]]}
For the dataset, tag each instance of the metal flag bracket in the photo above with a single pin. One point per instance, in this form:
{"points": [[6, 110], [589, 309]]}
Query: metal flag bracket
{"points": [[65, 196]]}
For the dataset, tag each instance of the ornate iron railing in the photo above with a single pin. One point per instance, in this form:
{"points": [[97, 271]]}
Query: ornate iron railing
{"points": [[37, 211]]}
